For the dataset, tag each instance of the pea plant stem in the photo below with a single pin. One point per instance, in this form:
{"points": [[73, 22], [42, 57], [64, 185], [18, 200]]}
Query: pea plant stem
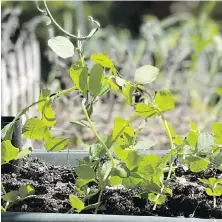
{"points": [[99, 200], [69, 34], [96, 134], [164, 121]]}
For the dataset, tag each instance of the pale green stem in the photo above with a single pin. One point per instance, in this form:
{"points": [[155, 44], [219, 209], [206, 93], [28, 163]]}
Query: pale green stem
{"points": [[96, 134], [69, 34], [171, 143], [99, 200]]}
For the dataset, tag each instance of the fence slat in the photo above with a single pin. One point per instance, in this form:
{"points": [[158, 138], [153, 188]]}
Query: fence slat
{"points": [[6, 97]]}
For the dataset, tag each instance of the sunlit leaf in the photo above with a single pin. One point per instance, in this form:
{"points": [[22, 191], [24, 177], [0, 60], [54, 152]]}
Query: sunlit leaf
{"points": [[61, 46], [104, 61], [55, 144], [145, 110], [127, 91], [164, 100], [205, 142], [85, 172], [11, 196], [217, 131], [79, 75], [23, 153], [199, 165], [146, 74], [95, 80], [34, 128], [8, 151], [76, 203], [26, 190]]}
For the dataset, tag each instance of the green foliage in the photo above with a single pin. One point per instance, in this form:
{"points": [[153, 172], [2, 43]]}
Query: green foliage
{"points": [[198, 150], [164, 100], [34, 128], [76, 203], [95, 80], [104, 61], [214, 189]]}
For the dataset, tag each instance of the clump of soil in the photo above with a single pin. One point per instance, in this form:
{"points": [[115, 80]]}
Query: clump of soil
{"points": [[53, 184]]}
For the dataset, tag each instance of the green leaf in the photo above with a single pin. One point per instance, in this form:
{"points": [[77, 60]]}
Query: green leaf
{"points": [[61, 46], [217, 131], [131, 182], [26, 190], [199, 165], [8, 151], [105, 86], [192, 138], [120, 152], [119, 124], [80, 182], [132, 159], [152, 197], [7, 131], [164, 100], [206, 181], [193, 126], [161, 200], [103, 172], [81, 123], [79, 75], [217, 191], [11, 196], [44, 94], [127, 91], [218, 158], [104, 61], [76, 203], [144, 144], [34, 128], [55, 144], [85, 172], [146, 74], [205, 142], [120, 171], [145, 110], [95, 80], [115, 180], [209, 192], [23, 153]]}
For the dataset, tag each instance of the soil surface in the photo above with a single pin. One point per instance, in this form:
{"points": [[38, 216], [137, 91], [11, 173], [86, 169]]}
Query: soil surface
{"points": [[53, 184]]}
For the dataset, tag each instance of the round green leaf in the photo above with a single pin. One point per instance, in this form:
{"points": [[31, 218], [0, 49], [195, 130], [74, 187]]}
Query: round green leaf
{"points": [[61, 46], [199, 165], [95, 80], [34, 128], [76, 203], [164, 100], [145, 110], [85, 172], [209, 192], [8, 151], [146, 74], [11, 197], [26, 190], [115, 180], [205, 142]]}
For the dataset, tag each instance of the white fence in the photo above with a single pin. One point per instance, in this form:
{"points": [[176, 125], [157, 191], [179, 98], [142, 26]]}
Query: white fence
{"points": [[20, 77], [20, 64]]}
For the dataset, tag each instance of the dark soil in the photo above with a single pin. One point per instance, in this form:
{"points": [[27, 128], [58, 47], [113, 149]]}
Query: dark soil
{"points": [[53, 184]]}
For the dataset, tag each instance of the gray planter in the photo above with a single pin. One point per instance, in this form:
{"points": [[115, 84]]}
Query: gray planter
{"points": [[70, 158]]}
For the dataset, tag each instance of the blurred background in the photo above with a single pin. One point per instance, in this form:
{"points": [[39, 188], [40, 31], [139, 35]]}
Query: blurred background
{"points": [[183, 39]]}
